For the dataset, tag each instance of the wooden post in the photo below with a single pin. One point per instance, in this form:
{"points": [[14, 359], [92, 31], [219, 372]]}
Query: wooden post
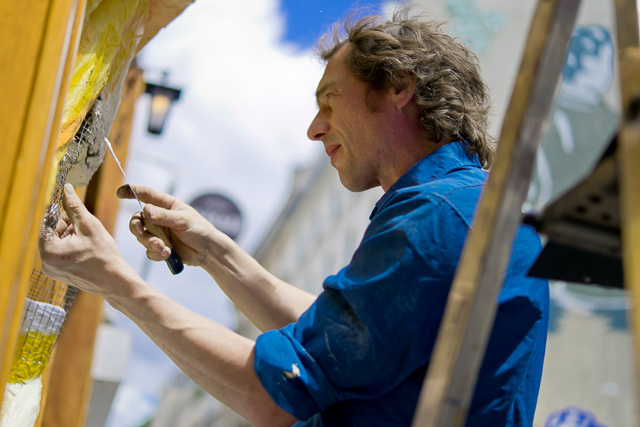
{"points": [[628, 156], [70, 382], [38, 51]]}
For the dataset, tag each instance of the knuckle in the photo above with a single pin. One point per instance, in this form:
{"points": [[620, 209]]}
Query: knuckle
{"points": [[135, 227], [153, 255], [144, 242]]}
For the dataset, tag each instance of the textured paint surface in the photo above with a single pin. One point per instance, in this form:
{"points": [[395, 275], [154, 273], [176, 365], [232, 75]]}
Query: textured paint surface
{"points": [[21, 404]]}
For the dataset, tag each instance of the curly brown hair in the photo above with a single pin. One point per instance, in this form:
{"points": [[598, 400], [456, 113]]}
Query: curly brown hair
{"points": [[452, 97]]}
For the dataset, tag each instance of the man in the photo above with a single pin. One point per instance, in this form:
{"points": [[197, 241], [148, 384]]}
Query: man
{"points": [[401, 105]]}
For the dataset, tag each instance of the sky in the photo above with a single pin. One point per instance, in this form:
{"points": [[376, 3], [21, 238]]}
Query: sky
{"points": [[248, 79]]}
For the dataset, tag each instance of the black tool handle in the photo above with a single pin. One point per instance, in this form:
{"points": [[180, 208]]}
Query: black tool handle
{"points": [[174, 262]]}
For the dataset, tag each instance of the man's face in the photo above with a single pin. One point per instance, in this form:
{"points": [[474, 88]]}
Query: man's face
{"points": [[353, 136]]}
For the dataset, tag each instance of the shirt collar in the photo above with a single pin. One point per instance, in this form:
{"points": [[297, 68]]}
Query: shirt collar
{"points": [[433, 166]]}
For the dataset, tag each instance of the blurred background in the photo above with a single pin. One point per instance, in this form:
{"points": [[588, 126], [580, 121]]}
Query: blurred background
{"points": [[234, 145]]}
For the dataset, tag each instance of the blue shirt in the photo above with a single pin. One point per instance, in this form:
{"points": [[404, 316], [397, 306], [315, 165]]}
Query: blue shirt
{"points": [[359, 355]]}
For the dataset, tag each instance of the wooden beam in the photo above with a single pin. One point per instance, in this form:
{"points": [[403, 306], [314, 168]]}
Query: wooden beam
{"points": [[37, 44], [471, 305], [628, 156]]}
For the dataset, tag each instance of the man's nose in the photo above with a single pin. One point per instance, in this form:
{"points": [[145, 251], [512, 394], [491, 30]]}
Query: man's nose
{"points": [[318, 128]]}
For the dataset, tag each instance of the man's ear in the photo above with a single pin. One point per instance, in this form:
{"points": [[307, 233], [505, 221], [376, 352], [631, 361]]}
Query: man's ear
{"points": [[404, 90]]}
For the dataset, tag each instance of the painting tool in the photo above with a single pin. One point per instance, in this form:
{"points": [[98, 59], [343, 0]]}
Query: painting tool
{"points": [[173, 262]]}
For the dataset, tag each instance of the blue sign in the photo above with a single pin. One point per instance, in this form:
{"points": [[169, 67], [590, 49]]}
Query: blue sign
{"points": [[572, 417], [221, 212]]}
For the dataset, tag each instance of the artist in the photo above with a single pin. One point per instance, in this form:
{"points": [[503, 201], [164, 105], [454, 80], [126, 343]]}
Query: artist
{"points": [[400, 105]]}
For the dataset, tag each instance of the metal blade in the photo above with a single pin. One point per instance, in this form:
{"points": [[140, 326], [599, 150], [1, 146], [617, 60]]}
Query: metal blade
{"points": [[113, 154]]}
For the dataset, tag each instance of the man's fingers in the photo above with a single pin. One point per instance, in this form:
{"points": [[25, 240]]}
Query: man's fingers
{"points": [[147, 195], [72, 205], [63, 223], [155, 256], [163, 217], [136, 226], [145, 238]]}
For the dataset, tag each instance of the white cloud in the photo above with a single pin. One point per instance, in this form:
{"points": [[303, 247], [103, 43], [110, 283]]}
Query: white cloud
{"points": [[247, 102]]}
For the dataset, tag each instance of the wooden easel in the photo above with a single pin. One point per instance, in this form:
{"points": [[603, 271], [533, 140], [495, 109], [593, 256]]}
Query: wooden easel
{"points": [[471, 306]]}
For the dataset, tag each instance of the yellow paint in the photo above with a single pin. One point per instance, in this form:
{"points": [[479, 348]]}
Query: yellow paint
{"points": [[109, 41], [32, 354]]}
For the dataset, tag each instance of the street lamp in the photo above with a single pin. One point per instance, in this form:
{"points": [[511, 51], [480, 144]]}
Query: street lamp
{"points": [[162, 97]]}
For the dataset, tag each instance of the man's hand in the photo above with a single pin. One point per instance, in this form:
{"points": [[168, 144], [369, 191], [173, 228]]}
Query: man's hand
{"points": [[82, 253], [190, 233], [82, 250]]}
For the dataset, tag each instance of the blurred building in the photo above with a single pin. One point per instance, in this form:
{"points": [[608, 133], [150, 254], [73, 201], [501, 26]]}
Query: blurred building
{"points": [[111, 353], [184, 403], [319, 228]]}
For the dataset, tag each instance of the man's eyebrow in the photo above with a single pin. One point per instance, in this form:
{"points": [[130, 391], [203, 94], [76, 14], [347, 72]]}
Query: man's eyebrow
{"points": [[323, 88]]}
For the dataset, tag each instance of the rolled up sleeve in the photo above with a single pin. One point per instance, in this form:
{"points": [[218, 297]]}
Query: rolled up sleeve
{"points": [[290, 374], [372, 326]]}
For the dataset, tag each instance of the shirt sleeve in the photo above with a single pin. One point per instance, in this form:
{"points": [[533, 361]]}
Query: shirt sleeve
{"points": [[376, 321]]}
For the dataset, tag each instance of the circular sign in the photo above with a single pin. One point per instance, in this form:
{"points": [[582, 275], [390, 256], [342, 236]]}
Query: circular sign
{"points": [[219, 211]]}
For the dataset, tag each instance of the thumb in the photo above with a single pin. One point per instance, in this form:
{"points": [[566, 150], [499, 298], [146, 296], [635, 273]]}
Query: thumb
{"points": [[72, 205]]}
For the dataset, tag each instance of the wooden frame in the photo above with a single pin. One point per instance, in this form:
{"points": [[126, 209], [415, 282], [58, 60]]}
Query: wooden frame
{"points": [[39, 47]]}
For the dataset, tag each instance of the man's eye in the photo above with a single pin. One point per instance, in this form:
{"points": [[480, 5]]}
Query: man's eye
{"points": [[329, 99]]}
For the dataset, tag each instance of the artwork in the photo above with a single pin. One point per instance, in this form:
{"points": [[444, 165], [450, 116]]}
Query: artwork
{"points": [[478, 27], [581, 124], [45, 311], [108, 43], [572, 417]]}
